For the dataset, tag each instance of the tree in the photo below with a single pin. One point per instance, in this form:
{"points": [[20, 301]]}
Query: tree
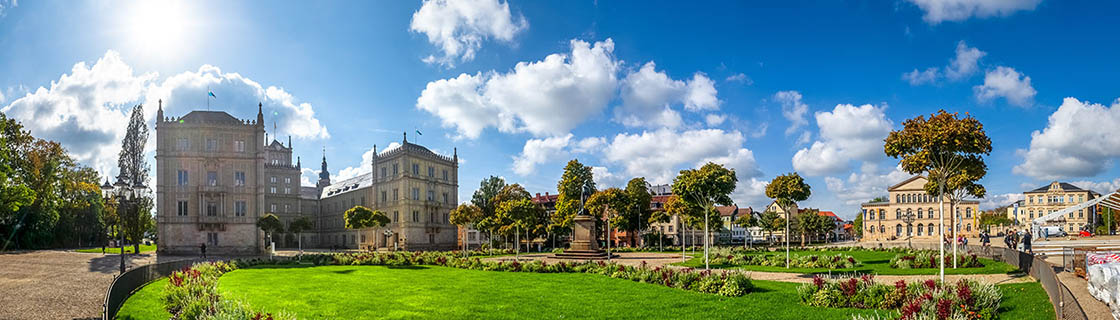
{"points": [[134, 170], [858, 225], [706, 187], [961, 185], [609, 205], [576, 183], [747, 222], [360, 217], [482, 197], [771, 222], [507, 223], [517, 212], [466, 215], [637, 211], [787, 190], [807, 224], [13, 193], [270, 224], [660, 216], [939, 147], [298, 226]]}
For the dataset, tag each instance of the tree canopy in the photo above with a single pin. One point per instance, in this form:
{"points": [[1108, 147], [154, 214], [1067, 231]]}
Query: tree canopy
{"points": [[943, 146], [465, 214], [788, 189], [270, 224], [576, 182], [637, 214], [483, 198], [360, 217], [301, 224]]}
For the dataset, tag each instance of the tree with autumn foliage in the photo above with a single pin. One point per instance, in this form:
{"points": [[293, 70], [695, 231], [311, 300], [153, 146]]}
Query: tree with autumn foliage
{"points": [[706, 187], [787, 190], [465, 216], [944, 147]]}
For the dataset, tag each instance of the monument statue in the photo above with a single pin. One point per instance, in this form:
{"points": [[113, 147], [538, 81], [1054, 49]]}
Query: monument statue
{"points": [[585, 242]]}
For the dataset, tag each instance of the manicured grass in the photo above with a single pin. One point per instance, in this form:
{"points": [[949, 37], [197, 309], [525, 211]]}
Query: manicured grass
{"points": [[877, 262], [145, 303], [127, 249], [342, 292], [1025, 301]]}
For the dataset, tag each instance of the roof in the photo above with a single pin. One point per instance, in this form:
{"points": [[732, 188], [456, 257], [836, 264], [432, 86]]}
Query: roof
{"points": [[546, 198], [414, 149], [905, 182], [361, 181], [1065, 187], [308, 192], [725, 211], [217, 117], [277, 145], [830, 214], [744, 212]]}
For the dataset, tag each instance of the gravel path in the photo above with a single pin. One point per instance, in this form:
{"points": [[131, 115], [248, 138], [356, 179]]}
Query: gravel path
{"points": [[59, 284]]}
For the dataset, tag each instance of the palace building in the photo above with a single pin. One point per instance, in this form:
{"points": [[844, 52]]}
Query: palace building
{"points": [[1050, 198], [886, 220], [217, 175]]}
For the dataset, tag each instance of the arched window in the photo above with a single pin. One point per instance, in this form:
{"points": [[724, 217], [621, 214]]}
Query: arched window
{"points": [[882, 229], [898, 213], [929, 229], [968, 212], [968, 227], [909, 211], [871, 230], [882, 214], [909, 230], [898, 230], [920, 227], [919, 213], [930, 210], [898, 198]]}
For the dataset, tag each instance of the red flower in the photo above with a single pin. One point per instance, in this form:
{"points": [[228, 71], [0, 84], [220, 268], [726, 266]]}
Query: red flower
{"points": [[944, 307]]}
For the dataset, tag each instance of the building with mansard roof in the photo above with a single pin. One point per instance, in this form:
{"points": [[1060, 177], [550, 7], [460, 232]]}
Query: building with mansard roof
{"points": [[217, 175], [888, 220]]}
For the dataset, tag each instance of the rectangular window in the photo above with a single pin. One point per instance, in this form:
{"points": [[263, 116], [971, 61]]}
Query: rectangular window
{"points": [[183, 144], [211, 145], [384, 196], [382, 172], [431, 172], [240, 208], [211, 178], [395, 167], [272, 179], [239, 145], [415, 193], [395, 195], [287, 208], [211, 209], [183, 178], [239, 178], [444, 174], [446, 199], [431, 195], [416, 216], [396, 216], [272, 190], [272, 207], [182, 206], [288, 180], [212, 238], [415, 169], [287, 190]]}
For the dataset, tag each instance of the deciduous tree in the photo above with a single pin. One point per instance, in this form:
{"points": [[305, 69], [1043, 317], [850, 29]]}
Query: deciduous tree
{"points": [[787, 190], [939, 147], [465, 215], [482, 198], [638, 210], [576, 182], [706, 187], [298, 226], [747, 222]]}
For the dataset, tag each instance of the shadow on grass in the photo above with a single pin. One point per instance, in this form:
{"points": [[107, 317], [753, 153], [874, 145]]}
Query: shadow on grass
{"points": [[408, 267]]}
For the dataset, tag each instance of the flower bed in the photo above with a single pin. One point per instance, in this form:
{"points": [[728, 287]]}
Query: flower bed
{"points": [[928, 259], [839, 261], [917, 300], [192, 293]]}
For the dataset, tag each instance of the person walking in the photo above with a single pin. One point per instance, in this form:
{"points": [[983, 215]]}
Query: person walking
{"points": [[986, 242], [202, 249], [102, 248], [1027, 242]]}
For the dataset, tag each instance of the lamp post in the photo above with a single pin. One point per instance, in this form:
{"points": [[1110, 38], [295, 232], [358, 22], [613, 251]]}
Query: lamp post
{"points": [[389, 235], [908, 218], [123, 192]]}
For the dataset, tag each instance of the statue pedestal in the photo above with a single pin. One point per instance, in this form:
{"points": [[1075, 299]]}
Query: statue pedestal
{"points": [[585, 244]]}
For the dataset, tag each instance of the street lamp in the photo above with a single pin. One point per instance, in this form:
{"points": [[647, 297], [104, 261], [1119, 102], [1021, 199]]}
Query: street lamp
{"points": [[908, 218], [389, 235], [123, 193]]}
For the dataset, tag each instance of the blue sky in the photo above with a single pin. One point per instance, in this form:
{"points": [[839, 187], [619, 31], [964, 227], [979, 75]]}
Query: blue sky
{"points": [[632, 88]]}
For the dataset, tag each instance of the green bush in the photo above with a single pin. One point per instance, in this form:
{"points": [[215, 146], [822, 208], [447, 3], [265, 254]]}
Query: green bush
{"points": [[917, 300]]}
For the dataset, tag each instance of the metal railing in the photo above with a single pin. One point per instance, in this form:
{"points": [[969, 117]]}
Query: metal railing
{"points": [[127, 283]]}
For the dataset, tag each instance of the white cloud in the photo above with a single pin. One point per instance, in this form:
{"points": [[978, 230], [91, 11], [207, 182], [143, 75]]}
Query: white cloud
{"points": [[804, 138], [392, 145], [866, 184], [1007, 83], [937, 11], [604, 178], [847, 133], [545, 98], [992, 201], [715, 119], [792, 109], [648, 95], [963, 65], [1103, 187], [657, 155], [308, 177], [366, 166], [6, 5], [458, 27], [589, 145], [916, 78], [87, 109], [1073, 143], [538, 151], [741, 78]]}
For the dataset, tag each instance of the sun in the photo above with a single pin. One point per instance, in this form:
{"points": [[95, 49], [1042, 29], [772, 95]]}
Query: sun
{"points": [[158, 29]]}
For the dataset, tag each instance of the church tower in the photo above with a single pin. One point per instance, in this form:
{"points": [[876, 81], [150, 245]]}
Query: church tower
{"points": [[324, 175]]}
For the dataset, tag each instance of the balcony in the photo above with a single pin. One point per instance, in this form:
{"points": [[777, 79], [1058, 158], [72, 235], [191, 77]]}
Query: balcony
{"points": [[212, 189]]}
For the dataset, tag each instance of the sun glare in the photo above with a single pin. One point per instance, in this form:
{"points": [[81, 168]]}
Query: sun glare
{"points": [[158, 29]]}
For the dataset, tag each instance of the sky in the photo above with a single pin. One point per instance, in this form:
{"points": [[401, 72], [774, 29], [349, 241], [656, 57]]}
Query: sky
{"points": [[633, 89]]}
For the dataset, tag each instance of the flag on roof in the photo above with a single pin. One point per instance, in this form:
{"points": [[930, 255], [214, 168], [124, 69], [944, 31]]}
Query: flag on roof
{"points": [[211, 93], [418, 132]]}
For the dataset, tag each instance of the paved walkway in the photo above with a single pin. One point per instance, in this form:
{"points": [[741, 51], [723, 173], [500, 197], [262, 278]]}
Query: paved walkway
{"points": [[60, 284]]}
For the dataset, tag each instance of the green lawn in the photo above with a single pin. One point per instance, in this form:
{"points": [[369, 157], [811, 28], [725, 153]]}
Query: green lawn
{"points": [[146, 303], [877, 262], [128, 249], [1025, 301], [346, 292]]}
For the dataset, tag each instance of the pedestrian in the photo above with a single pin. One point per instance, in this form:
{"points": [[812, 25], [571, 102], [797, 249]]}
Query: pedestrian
{"points": [[202, 249], [1027, 242], [986, 242], [1015, 240], [102, 248], [1007, 241], [964, 240]]}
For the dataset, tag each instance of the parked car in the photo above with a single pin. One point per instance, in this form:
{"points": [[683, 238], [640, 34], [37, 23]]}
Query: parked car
{"points": [[1053, 231]]}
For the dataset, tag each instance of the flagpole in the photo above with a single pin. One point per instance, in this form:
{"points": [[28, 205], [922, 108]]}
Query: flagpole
{"points": [[207, 98]]}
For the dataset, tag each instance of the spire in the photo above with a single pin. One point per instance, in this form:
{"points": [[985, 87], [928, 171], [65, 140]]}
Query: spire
{"points": [[375, 151], [298, 164], [159, 113], [324, 175], [260, 113], [405, 136], [455, 155], [289, 141]]}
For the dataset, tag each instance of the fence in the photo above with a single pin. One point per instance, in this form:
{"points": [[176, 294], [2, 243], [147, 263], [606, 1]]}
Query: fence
{"points": [[126, 283]]}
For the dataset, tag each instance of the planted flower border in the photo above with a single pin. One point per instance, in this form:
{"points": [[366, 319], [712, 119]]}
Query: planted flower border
{"points": [[928, 299], [192, 293], [928, 259], [838, 261]]}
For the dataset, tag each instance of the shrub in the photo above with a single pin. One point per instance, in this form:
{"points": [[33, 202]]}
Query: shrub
{"points": [[918, 300], [928, 259]]}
